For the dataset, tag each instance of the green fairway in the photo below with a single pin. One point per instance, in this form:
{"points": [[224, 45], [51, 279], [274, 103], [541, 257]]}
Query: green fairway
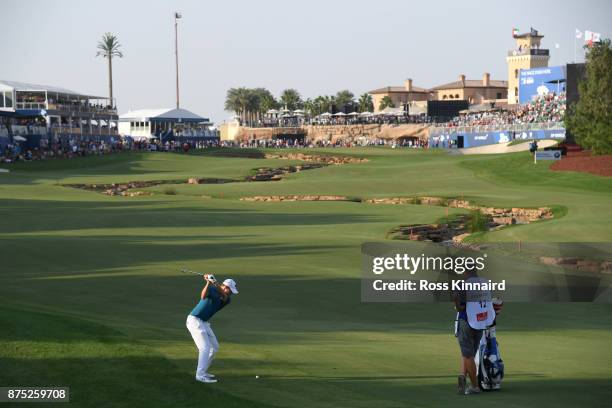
{"points": [[91, 296]]}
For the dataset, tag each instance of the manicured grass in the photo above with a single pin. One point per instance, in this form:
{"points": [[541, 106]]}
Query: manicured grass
{"points": [[91, 296]]}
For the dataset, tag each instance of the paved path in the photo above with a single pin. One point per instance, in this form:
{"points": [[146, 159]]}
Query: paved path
{"points": [[503, 148]]}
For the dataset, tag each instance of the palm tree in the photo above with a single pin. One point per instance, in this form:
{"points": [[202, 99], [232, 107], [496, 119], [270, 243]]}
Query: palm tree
{"points": [[321, 104], [386, 102], [266, 100], [231, 101], [343, 99], [109, 47], [238, 101], [310, 106], [365, 103], [291, 99]]}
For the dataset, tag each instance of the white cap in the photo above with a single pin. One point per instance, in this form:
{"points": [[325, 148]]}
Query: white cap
{"points": [[230, 283]]}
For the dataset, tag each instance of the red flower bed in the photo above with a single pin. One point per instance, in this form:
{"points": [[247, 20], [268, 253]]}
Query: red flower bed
{"points": [[586, 163]]}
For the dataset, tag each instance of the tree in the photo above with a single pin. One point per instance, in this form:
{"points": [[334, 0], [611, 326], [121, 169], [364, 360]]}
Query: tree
{"points": [[386, 102], [239, 101], [266, 100], [291, 99], [343, 99], [109, 47], [310, 107], [365, 103], [590, 120]]}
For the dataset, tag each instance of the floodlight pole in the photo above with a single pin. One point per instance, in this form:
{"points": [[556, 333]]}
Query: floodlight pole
{"points": [[177, 16]]}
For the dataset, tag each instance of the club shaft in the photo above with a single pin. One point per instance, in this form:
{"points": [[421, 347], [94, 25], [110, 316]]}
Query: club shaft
{"points": [[192, 272]]}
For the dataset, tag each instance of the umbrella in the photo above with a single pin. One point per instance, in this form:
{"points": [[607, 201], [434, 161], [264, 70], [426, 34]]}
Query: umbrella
{"points": [[19, 138], [366, 113], [339, 114], [326, 114], [299, 111], [353, 114], [272, 112]]}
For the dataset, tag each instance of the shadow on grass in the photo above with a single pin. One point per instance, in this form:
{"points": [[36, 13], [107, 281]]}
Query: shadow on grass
{"points": [[44, 215], [105, 368]]}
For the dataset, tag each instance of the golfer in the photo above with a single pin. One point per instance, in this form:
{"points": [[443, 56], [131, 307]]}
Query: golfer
{"points": [[474, 314], [214, 297]]}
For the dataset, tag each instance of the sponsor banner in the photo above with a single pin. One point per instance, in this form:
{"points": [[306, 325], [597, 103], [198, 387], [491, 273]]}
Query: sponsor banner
{"points": [[540, 81], [486, 138], [548, 155]]}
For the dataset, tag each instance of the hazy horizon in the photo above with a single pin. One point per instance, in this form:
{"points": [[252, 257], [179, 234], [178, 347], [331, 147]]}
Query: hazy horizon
{"points": [[317, 48]]}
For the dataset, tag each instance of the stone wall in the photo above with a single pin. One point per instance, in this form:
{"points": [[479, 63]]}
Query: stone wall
{"points": [[245, 133], [337, 132]]}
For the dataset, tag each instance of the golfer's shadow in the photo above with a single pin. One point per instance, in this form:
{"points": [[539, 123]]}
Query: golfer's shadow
{"points": [[390, 377]]}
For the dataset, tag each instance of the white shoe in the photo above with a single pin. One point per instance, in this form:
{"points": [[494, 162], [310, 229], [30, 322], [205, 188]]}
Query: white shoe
{"points": [[206, 380], [209, 375], [472, 390]]}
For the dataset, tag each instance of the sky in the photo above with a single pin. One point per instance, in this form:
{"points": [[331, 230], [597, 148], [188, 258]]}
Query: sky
{"points": [[317, 47]]}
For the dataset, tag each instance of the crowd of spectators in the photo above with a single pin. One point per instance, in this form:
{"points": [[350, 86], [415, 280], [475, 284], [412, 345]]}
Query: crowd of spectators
{"points": [[67, 149], [14, 152], [336, 120], [341, 142], [543, 109]]}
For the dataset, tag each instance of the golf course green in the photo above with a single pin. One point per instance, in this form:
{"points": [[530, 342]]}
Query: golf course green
{"points": [[91, 294]]}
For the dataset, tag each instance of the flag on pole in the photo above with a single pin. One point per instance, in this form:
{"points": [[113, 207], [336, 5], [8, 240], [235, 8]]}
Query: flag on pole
{"points": [[177, 15], [591, 37], [578, 33], [515, 32]]}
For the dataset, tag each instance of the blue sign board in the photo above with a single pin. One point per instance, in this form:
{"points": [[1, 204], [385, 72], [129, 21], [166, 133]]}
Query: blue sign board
{"points": [[548, 155], [540, 81], [486, 138]]}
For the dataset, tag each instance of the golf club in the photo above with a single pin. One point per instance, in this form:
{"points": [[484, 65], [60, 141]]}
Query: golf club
{"points": [[210, 276], [185, 270]]}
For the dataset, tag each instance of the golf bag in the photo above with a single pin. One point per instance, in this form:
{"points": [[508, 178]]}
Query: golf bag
{"points": [[489, 365]]}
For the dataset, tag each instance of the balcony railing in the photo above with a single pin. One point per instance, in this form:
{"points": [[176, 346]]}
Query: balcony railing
{"points": [[528, 51], [31, 105], [68, 107], [83, 108]]}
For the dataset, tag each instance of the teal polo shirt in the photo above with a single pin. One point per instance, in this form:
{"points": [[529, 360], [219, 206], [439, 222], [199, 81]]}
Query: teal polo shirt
{"points": [[211, 304]]}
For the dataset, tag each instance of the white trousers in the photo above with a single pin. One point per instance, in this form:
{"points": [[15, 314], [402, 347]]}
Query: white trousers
{"points": [[206, 342]]}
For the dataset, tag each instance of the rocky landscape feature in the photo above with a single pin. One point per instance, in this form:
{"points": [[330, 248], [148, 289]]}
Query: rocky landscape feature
{"points": [[499, 216], [323, 159], [462, 226], [578, 264], [279, 198], [261, 174], [276, 174]]}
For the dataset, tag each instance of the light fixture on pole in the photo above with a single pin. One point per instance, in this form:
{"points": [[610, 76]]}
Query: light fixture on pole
{"points": [[177, 16]]}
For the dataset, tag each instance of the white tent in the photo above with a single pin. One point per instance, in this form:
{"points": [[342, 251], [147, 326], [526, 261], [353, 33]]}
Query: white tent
{"points": [[366, 114], [326, 114], [353, 114], [170, 115], [339, 114], [391, 111]]}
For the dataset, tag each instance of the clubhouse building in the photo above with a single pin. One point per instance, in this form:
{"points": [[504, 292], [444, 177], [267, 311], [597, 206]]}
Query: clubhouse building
{"points": [[474, 91]]}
